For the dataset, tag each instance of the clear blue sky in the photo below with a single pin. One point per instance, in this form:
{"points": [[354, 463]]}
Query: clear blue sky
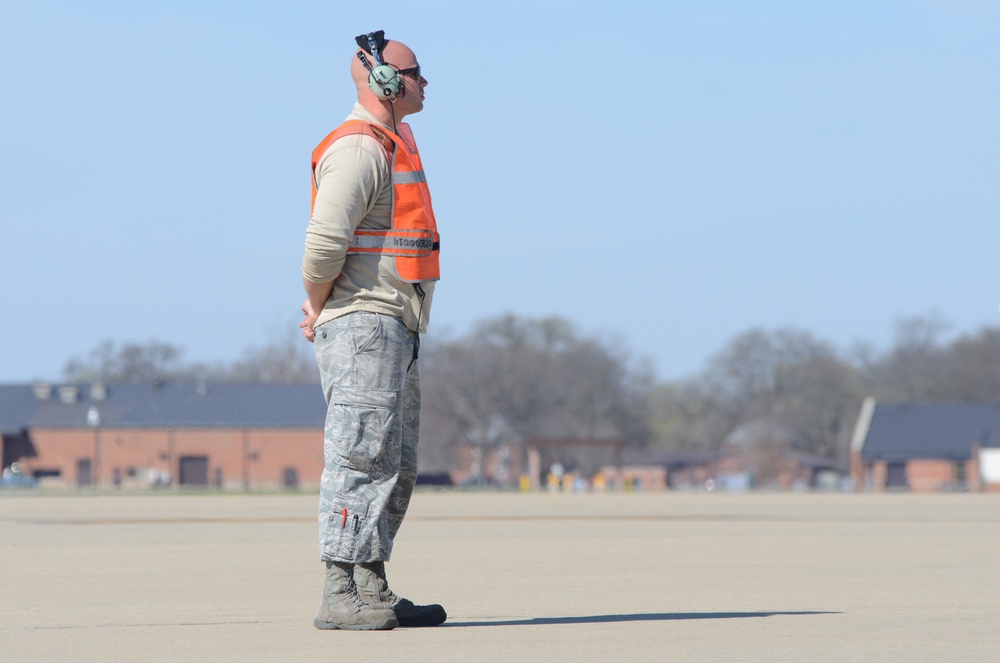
{"points": [[666, 174]]}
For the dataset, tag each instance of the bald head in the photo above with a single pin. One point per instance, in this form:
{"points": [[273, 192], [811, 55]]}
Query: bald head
{"points": [[393, 53], [409, 100]]}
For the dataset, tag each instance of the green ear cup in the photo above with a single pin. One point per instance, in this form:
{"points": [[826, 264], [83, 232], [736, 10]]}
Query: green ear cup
{"points": [[384, 81]]}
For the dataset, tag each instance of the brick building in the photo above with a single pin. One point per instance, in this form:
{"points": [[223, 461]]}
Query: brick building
{"points": [[230, 436], [506, 465], [926, 447], [738, 468]]}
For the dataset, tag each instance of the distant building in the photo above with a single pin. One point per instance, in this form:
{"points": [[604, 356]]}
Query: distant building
{"points": [[231, 436], [739, 468], [576, 461], [758, 455], [926, 447]]}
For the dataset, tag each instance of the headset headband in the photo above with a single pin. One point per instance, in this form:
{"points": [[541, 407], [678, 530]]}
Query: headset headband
{"points": [[373, 42], [383, 79]]}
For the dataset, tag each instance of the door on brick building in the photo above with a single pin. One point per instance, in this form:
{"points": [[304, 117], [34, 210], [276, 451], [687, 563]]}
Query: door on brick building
{"points": [[84, 472], [895, 475], [194, 470]]}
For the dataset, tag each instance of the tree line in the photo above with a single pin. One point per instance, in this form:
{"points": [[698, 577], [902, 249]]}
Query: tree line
{"points": [[513, 378]]}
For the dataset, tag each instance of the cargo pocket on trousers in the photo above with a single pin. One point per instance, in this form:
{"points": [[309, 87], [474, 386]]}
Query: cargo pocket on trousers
{"points": [[367, 439], [346, 530]]}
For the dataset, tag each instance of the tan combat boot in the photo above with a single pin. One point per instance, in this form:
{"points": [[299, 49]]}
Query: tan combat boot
{"points": [[342, 608], [374, 590]]}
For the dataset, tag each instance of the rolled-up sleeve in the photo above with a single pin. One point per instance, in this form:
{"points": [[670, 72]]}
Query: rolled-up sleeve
{"points": [[350, 177]]}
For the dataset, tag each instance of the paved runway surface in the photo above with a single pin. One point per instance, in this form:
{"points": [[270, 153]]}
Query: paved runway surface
{"points": [[539, 577]]}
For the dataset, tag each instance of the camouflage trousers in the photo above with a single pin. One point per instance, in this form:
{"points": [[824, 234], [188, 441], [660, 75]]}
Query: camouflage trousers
{"points": [[372, 388]]}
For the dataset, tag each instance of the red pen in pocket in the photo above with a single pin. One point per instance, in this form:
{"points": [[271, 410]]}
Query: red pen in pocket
{"points": [[343, 517]]}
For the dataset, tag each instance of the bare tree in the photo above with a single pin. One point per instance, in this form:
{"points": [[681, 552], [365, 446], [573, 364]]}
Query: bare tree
{"points": [[913, 368], [819, 399], [284, 357], [972, 371], [513, 379], [749, 364], [127, 362], [685, 416], [787, 378], [920, 367]]}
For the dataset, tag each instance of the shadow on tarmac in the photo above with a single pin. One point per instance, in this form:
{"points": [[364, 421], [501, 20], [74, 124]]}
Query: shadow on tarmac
{"points": [[640, 617]]}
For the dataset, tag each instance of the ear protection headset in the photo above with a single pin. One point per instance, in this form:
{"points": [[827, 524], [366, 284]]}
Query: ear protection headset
{"points": [[382, 79]]}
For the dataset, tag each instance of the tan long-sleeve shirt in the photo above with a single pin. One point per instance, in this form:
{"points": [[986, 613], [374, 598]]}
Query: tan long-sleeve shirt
{"points": [[354, 190]]}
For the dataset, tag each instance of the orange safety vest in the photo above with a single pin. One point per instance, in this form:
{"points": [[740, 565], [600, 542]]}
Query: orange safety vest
{"points": [[413, 239]]}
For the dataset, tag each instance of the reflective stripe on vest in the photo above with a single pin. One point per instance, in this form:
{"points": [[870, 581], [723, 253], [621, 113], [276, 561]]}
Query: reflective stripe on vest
{"points": [[409, 178], [400, 243], [413, 240]]}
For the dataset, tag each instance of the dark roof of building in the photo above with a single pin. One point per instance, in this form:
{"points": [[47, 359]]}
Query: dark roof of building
{"points": [[168, 405], [902, 431]]}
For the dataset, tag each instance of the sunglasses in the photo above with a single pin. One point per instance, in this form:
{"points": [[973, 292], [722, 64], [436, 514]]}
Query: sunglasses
{"points": [[412, 70]]}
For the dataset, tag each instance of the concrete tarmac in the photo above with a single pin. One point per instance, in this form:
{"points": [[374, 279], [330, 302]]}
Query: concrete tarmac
{"points": [[524, 577]]}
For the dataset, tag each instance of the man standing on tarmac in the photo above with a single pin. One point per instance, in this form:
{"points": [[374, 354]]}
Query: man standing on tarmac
{"points": [[371, 260]]}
